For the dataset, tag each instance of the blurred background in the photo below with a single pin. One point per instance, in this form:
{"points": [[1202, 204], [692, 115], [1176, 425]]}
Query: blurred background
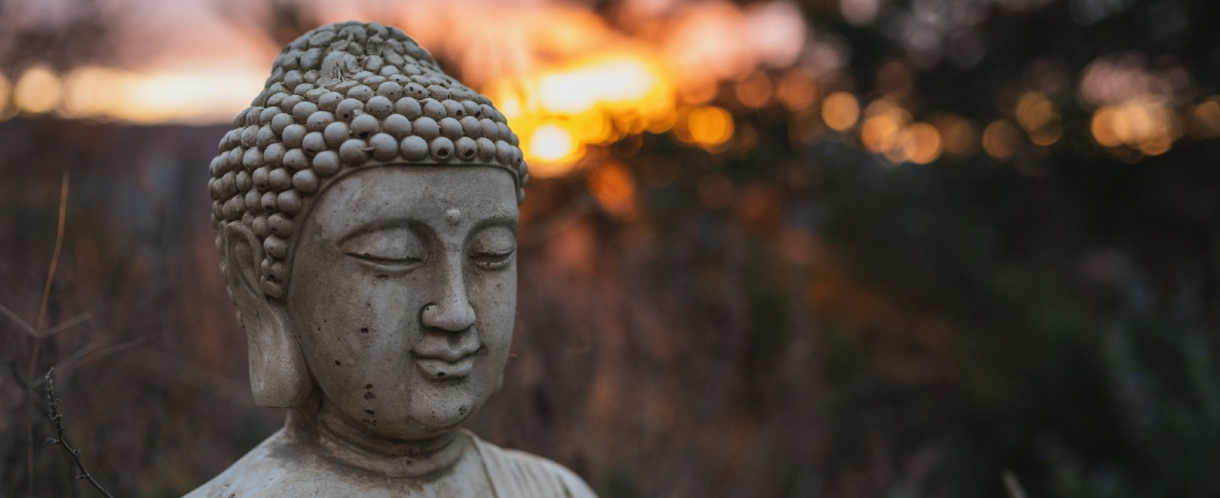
{"points": [[818, 248]]}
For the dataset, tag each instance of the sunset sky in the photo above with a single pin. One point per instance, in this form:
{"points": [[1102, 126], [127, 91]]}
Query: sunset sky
{"points": [[569, 78]]}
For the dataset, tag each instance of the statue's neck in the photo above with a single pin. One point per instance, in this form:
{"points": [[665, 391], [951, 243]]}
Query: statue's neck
{"points": [[417, 459]]}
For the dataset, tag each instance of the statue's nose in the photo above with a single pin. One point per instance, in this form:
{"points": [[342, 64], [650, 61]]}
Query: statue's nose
{"points": [[451, 311]]}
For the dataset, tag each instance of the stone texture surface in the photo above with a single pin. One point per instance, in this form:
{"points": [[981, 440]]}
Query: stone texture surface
{"points": [[366, 205], [342, 97]]}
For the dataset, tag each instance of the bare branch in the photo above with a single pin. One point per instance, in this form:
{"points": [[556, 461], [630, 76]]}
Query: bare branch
{"points": [[72, 322], [91, 353], [59, 244], [61, 439], [84, 32], [276, 22], [1012, 484], [40, 326], [17, 320]]}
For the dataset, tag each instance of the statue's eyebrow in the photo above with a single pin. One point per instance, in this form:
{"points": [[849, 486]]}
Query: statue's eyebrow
{"points": [[507, 220], [417, 226]]}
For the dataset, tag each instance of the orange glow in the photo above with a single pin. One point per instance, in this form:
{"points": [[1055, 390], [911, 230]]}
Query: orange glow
{"points": [[37, 90], [1038, 116], [754, 91], [885, 132], [697, 41], [567, 80], [540, 62], [1103, 127], [797, 90], [708, 126], [1001, 139], [5, 88], [1035, 112], [840, 111], [1205, 119], [614, 188], [600, 98], [1156, 145], [1046, 136], [921, 143], [549, 145], [959, 135], [896, 155], [203, 97], [880, 133], [618, 80], [698, 92], [1146, 125]]}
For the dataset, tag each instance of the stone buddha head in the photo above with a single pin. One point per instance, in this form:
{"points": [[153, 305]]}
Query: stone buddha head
{"points": [[366, 205]]}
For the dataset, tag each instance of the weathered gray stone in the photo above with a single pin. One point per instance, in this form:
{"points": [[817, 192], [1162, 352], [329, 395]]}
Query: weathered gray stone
{"points": [[371, 254]]}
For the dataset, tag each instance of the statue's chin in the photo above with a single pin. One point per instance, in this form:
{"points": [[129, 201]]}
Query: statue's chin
{"points": [[421, 421], [436, 425]]}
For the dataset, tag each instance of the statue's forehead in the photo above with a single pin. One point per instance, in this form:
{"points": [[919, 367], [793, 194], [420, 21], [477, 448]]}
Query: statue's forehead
{"points": [[390, 195]]}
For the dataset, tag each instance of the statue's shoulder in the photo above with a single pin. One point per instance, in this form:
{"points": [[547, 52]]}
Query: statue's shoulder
{"points": [[516, 474], [264, 471]]}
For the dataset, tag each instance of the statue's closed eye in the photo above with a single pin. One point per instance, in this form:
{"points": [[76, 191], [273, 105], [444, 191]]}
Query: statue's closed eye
{"points": [[393, 250], [493, 247]]}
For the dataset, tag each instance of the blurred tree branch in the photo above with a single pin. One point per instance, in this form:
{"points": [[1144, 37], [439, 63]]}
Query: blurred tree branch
{"points": [[274, 22], [80, 32]]}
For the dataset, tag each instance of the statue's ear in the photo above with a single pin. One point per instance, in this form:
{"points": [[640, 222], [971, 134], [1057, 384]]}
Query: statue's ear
{"points": [[279, 376]]}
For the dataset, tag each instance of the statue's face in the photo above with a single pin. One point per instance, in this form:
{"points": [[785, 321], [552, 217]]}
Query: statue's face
{"points": [[403, 295]]}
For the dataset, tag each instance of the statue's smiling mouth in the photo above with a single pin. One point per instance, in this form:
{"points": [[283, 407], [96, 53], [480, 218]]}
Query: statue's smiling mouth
{"points": [[445, 363]]}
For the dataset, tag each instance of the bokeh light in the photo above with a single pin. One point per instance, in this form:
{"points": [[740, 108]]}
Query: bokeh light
{"points": [[1001, 139], [797, 89], [1037, 115], [5, 97], [840, 111], [37, 90], [571, 81], [771, 198], [921, 143], [614, 188], [1205, 119], [755, 90], [707, 126], [551, 143], [860, 12], [959, 135], [1140, 124]]}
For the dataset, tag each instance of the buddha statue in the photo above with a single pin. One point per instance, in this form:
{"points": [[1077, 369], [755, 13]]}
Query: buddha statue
{"points": [[367, 209]]}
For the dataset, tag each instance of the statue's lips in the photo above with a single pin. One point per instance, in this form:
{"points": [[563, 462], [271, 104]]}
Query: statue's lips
{"points": [[436, 368], [445, 363]]}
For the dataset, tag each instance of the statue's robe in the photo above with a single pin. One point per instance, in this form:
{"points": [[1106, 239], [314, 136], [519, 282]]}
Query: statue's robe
{"points": [[515, 474], [281, 467]]}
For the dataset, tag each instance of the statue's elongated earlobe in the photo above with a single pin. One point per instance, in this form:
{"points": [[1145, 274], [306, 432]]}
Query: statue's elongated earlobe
{"points": [[279, 376]]}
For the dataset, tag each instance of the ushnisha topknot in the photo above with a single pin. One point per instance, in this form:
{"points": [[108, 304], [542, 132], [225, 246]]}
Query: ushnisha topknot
{"points": [[341, 97]]}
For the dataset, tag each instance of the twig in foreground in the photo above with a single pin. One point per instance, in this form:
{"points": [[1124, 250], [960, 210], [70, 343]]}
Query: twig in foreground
{"points": [[1012, 484], [62, 439]]}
